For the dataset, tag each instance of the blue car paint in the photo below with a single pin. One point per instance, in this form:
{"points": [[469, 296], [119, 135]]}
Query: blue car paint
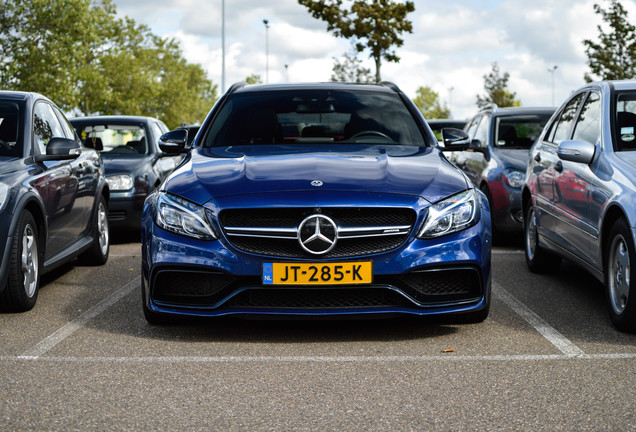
{"points": [[351, 175]]}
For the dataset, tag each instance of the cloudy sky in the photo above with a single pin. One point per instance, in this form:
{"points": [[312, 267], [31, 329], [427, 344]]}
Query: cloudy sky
{"points": [[453, 44]]}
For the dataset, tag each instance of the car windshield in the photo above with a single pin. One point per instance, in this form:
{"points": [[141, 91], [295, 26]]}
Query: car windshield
{"points": [[626, 121], [114, 139], [519, 131], [314, 116], [10, 139]]}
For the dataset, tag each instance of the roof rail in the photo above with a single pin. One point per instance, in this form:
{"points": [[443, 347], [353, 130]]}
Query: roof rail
{"points": [[234, 87], [491, 106], [390, 85]]}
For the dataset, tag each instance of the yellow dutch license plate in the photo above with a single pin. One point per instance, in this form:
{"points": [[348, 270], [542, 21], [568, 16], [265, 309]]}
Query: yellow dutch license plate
{"points": [[339, 273]]}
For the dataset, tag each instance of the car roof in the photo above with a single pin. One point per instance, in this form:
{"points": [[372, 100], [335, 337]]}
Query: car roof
{"points": [[112, 119], [21, 95], [386, 87], [522, 110]]}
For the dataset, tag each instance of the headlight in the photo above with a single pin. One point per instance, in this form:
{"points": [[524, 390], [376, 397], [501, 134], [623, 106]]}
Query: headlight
{"points": [[182, 217], [120, 182], [514, 178], [451, 215], [4, 196]]}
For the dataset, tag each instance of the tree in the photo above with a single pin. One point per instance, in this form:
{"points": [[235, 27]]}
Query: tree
{"points": [[375, 25], [350, 70], [427, 100], [613, 57], [254, 79], [78, 53], [496, 90]]}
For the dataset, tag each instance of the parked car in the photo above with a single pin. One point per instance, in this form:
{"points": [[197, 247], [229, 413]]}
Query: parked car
{"points": [[579, 196], [313, 200], [497, 159], [437, 125], [53, 197], [192, 132], [134, 164]]}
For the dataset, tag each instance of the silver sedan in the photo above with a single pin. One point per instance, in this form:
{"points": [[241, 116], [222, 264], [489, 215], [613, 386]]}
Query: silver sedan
{"points": [[579, 198]]}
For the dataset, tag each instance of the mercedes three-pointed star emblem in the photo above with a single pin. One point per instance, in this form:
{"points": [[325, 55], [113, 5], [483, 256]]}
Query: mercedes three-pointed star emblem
{"points": [[317, 234]]}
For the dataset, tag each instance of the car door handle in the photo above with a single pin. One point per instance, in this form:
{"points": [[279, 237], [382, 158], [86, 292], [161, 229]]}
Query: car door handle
{"points": [[558, 167], [537, 157]]}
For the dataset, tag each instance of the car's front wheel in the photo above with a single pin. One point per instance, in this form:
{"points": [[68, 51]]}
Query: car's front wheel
{"points": [[619, 255], [98, 252], [23, 282], [537, 259]]}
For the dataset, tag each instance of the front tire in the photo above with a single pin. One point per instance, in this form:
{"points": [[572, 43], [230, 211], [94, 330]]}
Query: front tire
{"points": [[23, 282], [619, 256], [538, 259], [99, 250]]}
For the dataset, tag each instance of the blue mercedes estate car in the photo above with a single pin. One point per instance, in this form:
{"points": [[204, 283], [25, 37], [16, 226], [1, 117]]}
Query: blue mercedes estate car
{"points": [[313, 200]]}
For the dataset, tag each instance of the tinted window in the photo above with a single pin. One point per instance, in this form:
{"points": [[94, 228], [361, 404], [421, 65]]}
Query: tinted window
{"points": [[45, 126], [588, 126], [482, 131], [114, 139], [625, 132], [566, 120], [519, 131], [313, 116], [10, 137]]}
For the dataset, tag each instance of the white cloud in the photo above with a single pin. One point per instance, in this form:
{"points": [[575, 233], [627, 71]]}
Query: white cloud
{"points": [[452, 46]]}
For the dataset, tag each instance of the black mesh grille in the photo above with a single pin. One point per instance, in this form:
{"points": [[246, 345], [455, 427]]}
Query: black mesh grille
{"points": [[342, 298], [292, 218], [188, 287], [439, 285], [116, 215]]}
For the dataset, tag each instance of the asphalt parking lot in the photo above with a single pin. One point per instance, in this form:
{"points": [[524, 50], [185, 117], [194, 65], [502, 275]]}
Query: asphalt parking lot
{"points": [[547, 358]]}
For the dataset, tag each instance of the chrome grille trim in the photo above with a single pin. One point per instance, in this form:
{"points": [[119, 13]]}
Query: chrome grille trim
{"points": [[343, 233]]}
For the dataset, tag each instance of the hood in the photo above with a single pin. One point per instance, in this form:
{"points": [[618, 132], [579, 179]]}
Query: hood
{"points": [[120, 164], [225, 171], [517, 158]]}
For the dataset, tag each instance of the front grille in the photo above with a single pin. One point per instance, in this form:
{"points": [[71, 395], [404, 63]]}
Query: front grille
{"points": [[189, 287], [318, 298], [116, 215], [274, 232], [439, 285]]}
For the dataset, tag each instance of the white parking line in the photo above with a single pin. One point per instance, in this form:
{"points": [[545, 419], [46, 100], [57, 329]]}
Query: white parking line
{"points": [[549, 332], [52, 340], [323, 359]]}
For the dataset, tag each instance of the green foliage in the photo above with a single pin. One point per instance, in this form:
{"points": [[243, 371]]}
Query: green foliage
{"points": [[497, 92], [613, 57], [350, 70], [78, 53], [254, 79], [375, 25], [427, 100]]}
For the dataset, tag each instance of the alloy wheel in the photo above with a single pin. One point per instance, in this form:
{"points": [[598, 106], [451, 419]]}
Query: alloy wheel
{"points": [[619, 274]]}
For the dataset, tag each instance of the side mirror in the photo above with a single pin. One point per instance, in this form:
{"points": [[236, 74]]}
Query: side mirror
{"points": [[455, 139], [576, 151], [174, 142], [60, 149]]}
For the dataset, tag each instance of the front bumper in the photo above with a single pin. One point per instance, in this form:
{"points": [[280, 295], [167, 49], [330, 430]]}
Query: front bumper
{"points": [[447, 275], [507, 214], [125, 209]]}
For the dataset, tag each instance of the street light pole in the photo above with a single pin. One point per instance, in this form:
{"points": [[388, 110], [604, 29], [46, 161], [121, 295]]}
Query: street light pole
{"points": [[266, 52], [552, 71], [223, 46]]}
